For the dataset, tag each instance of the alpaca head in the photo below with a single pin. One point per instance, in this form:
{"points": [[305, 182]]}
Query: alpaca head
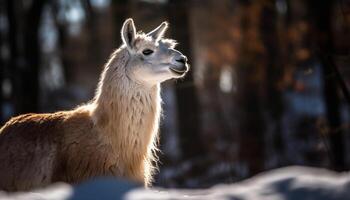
{"points": [[152, 59]]}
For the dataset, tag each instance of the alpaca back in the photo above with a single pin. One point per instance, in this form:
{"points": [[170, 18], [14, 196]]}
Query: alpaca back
{"points": [[83, 151], [28, 149], [38, 149]]}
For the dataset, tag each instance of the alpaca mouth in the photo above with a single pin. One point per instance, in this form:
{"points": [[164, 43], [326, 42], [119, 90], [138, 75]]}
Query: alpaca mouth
{"points": [[178, 72]]}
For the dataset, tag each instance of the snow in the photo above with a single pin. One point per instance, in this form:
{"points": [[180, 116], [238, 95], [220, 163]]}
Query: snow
{"points": [[301, 183]]}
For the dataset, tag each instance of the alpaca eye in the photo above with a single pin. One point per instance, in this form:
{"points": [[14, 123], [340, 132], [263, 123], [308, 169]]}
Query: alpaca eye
{"points": [[147, 52]]}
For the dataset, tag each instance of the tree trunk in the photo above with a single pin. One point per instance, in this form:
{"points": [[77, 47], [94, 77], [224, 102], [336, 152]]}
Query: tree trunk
{"points": [[2, 63], [30, 73], [15, 60], [25, 57], [120, 8], [186, 96], [321, 13], [274, 71], [251, 88]]}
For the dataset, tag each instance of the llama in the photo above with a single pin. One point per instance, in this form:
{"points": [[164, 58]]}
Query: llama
{"points": [[115, 134]]}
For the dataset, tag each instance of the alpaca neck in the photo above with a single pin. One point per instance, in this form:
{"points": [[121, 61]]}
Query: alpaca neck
{"points": [[126, 112]]}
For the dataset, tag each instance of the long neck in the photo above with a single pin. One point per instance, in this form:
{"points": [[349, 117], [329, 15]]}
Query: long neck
{"points": [[126, 112]]}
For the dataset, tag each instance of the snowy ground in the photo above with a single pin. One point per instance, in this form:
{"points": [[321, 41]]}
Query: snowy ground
{"points": [[290, 183]]}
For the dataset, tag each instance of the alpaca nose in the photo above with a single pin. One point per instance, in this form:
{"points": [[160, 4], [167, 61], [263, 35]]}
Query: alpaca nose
{"points": [[180, 69], [182, 59]]}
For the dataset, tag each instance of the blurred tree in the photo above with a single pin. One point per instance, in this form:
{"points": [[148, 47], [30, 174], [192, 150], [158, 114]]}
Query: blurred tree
{"points": [[13, 50], [252, 80], [186, 96], [2, 62], [30, 72], [3, 46], [24, 20], [120, 10], [321, 16], [273, 39]]}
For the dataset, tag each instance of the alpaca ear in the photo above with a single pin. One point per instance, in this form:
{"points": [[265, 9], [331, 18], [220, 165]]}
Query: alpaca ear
{"points": [[128, 33], [158, 32]]}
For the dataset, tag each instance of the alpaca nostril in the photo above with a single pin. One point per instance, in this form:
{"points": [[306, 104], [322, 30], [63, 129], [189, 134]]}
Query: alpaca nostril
{"points": [[182, 60]]}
